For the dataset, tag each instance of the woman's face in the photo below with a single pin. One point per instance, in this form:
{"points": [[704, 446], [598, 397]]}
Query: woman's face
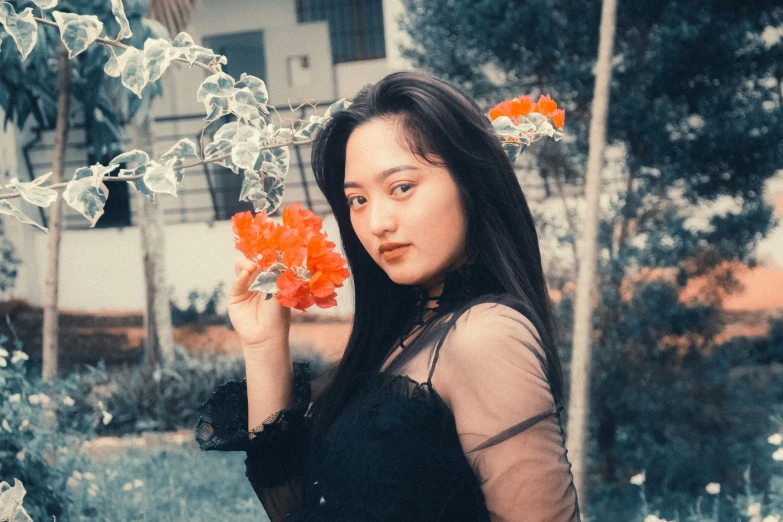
{"points": [[395, 197]]}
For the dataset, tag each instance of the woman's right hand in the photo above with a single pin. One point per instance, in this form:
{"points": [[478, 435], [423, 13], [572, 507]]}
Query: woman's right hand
{"points": [[256, 321]]}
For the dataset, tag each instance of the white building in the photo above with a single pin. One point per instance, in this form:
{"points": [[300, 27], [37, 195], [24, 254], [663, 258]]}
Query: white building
{"points": [[314, 51]]}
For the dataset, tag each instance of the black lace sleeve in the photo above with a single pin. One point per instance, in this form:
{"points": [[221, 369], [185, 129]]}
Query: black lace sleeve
{"points": [[276, 450]]}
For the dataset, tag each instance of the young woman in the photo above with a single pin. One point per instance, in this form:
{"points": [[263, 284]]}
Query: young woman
{"points": [[446, 403]]}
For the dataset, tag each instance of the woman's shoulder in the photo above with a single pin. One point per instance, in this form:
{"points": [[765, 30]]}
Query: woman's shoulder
{"points": [[495, 313]]}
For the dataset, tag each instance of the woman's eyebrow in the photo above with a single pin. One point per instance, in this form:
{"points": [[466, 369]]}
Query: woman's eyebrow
{"points": [[383, 175]]}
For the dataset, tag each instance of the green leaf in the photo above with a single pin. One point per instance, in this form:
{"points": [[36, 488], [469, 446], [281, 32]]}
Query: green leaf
{"points": [[311, 128], [161, 178], [133, 156], [192, 53], [281, 158], [218, 85], [77, 31], [22, 27], [119, 13], [33, 192], [45, 4], [217, 148], [7, 209], [512, 150]]}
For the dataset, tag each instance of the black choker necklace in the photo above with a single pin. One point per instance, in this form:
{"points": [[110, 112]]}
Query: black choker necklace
{"points": [[460, 284]]}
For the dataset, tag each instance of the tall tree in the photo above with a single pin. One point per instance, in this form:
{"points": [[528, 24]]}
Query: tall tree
{"points": [[51, 320], [580, 368]]}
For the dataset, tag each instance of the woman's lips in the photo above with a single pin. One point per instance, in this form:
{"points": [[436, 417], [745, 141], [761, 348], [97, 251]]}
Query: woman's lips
{"points": [[395, 253]]}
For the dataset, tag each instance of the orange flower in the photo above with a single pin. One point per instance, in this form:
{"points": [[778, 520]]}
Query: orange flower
{"points": [[559, 118], [299, 243], [521, 105], [546, 106]]}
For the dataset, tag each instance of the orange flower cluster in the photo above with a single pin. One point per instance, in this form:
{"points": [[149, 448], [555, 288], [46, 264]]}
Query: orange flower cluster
{"points": [[298, 240], [523, 105]]}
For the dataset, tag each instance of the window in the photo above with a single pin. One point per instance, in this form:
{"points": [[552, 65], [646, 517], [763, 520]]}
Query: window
{"points": [[244, 52], [355, 26]]}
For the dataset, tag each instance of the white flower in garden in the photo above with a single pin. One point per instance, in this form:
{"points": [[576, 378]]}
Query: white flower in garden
{"points": [[713, 488], [6, 426], [19, 355], [106, 417], [653, 518], [89, 476], [772, 518], [20, 456], [754, 509], [72, 482], [127, 487], [775, 439], [14, 398], [93, 489], [778, 455], [77, 475], [68, 401], [34, 399], [3, 352], [138, 483], [25, 423], [3, 362], [39, 398], [638, 480]]}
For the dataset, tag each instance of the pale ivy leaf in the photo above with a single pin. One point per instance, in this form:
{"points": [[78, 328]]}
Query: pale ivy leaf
{"points": [[22, 27], [558, 135], [505, 127], [237, 131], [252, 188], [45, 4], [266, 283], [158, 54], [218, 85], [33, 193], [134, 75], [133, 156], [182, 153], [282, 158], [546, 129], [311, 128], [245, 153], [283, 133], [112, 67], [192, 53], [138, 183], [84, 196], [119, 14], [271, 169], [217, 148], [258, 88], [339, 105], [77, 31], [243, 104], [9, 210], [215, 107], [161, 178], [274, 195]]}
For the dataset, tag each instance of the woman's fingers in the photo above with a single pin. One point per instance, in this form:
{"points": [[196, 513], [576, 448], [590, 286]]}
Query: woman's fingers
{"points": [[243, 263]]}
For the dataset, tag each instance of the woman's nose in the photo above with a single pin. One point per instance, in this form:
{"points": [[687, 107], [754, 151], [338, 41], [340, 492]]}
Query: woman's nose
{"points": [[382, 220]]}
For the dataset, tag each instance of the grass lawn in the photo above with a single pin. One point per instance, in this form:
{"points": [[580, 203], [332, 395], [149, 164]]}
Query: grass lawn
{"points": [[168, 484]]}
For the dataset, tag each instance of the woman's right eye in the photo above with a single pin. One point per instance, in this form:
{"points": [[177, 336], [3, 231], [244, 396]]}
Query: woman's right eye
{"points": [[352, 199]]}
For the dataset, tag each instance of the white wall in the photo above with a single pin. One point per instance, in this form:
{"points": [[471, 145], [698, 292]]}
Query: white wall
{"points": [[101, 269]]}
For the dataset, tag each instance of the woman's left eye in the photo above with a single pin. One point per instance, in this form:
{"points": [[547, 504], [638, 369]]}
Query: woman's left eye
{"points": [[403, 185]]}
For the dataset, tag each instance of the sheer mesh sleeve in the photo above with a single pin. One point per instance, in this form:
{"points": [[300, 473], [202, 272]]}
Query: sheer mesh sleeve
{"points": [[276, 450], [495, 378]]}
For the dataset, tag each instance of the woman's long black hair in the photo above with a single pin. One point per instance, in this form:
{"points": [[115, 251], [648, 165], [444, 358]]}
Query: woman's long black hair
{"points": [[444, 127]]}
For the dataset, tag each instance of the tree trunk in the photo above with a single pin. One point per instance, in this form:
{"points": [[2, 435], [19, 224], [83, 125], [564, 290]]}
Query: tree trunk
{"points": [[51, 327], [581, 358], [158, 335]]}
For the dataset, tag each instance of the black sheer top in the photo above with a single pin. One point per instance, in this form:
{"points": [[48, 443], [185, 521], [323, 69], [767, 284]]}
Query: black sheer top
{"points": [[460, 424]]}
